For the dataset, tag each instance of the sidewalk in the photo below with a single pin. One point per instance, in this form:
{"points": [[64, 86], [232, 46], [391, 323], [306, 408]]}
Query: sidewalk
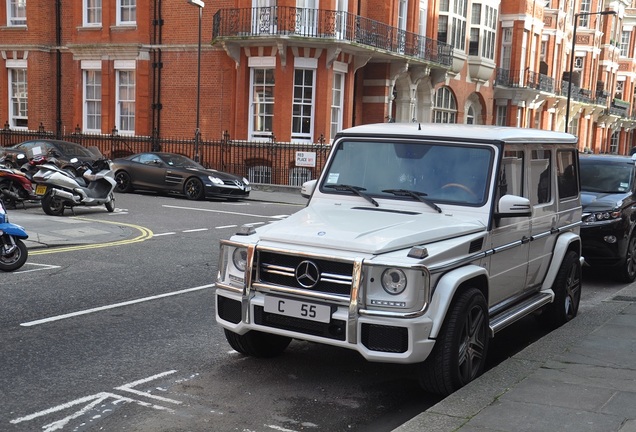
{"points": [[580, 377]]}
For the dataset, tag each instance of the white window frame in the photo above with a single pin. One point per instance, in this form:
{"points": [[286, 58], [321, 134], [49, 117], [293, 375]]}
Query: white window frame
{"points": [[259, 174], [90, 67], [299, 175], [122, 5], [86, 16], [21, 100], [445, 109], [303, 107], [337, 98], [257, 104], [127, 67], [501, 118], [16, 13]]}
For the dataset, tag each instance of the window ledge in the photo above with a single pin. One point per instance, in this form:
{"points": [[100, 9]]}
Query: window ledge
{"points": [[14, 27], [89, 28], [123, 27]]}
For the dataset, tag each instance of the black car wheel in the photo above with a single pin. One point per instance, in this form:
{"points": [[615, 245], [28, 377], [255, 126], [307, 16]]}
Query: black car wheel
{"points": [[628, 269], [123, 182], [459, 354], [193, 189], [567, 293]]}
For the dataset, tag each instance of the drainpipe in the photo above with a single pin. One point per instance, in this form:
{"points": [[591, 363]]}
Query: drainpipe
{"points": [[157, 65], [58, 74]]}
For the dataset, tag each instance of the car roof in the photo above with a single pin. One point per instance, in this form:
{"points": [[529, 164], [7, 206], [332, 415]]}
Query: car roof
{"points": [[461, 132], [607, 158], [50, 141]]}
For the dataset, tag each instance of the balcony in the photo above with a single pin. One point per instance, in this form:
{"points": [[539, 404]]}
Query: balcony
{"points": [[244, 25], [529, 80]]}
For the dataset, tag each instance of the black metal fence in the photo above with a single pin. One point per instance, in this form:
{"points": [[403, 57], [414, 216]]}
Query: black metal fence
{"points": [[260, 162]]}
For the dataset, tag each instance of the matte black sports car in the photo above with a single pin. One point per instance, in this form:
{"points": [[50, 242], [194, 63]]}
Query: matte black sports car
{"points": [[170, 172]]}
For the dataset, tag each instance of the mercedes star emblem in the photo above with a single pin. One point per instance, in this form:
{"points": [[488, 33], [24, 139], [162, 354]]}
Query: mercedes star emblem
{"points": [[307, 274]]}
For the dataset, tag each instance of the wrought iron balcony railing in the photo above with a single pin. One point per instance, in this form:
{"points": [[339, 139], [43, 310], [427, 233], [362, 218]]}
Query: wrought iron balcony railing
{"points": [[283, 21]]}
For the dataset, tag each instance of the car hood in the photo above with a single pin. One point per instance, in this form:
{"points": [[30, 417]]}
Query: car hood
{"points": [[366, 230], [596, 201], [220, 174]]}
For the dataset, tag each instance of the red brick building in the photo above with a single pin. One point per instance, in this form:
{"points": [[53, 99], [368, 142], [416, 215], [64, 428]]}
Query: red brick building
{"points": [[300, 70]]}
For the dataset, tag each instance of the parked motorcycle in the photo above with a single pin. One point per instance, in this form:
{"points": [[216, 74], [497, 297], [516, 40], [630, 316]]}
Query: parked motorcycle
{"points": [[17, 185], [93, 186], [13, 251]]}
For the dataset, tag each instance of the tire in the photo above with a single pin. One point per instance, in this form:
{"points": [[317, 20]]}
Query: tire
{"points": [[193, 189], [123, 182], [567, 293], [52, 206], [459, 354], [627, 271], [16, 258], [110, 205], [257, 344]]}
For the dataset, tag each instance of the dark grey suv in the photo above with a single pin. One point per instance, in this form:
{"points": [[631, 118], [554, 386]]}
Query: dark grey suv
{"points": [[609, 213]]}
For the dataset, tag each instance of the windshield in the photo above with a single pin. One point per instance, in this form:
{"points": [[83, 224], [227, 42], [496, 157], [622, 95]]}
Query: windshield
{"points": [[437, 172], [73, 150], [606, 176]]}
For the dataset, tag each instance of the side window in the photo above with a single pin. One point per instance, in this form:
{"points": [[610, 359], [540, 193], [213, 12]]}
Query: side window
{"points": [[540, 177], [510, 177], [567, 174]]}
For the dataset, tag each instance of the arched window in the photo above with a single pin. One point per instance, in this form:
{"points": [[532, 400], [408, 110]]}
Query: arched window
{"points": [[614, 143], [445, 110], [299, 175], [470, 115]]}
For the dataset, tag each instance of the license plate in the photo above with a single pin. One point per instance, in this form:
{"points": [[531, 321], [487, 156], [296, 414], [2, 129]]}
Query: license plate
{"points": [[298, 309], [40, 190]]}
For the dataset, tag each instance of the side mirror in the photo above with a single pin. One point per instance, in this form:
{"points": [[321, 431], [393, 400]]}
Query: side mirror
{"points": [[513, 206], [308, 188]]}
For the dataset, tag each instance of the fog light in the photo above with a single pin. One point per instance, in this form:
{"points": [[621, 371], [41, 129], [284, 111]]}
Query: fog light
{"points": [[610, 239]]}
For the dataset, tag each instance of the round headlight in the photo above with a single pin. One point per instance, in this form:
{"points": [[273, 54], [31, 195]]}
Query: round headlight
{"points": [[393, 281], [239, 258]]}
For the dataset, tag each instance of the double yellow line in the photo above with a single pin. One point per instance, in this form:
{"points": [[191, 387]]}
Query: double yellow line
{"points": [[145, 234]]}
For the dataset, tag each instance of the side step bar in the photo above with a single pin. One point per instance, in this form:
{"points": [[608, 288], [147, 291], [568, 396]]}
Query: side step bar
{"points": [[519, 310]]}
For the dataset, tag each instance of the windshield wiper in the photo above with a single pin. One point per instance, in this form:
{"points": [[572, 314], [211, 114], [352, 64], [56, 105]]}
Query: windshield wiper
{"points": [[414, 194], [356, 190]]}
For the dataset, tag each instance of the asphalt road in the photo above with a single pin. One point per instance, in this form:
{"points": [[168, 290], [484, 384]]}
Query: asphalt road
{"points": [[123, 338]]}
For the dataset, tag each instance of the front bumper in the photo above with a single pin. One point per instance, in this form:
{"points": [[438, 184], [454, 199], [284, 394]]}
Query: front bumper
{"points": [[605, 244], [382, 339], [226, 191]]}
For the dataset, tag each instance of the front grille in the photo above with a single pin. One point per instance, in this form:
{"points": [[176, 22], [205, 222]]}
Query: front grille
{"points": [[333, 330], [385, 338], [280, 269]]}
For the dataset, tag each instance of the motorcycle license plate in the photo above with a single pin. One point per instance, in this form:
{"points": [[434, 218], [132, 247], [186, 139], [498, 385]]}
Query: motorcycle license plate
{"points": [[40, 190], [298, 309]]}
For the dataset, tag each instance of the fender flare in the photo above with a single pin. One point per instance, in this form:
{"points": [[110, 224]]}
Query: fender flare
{"points": [[445, 292], [13, 230], [563, 245]]}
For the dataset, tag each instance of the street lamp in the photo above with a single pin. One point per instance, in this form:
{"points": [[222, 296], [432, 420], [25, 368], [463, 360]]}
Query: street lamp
{"points": [[197, 133], [576, 21]]}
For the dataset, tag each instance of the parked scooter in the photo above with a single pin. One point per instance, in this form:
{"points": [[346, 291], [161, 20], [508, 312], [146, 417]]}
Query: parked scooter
{"points": [[16, 185], [59, 189], [13, 251]]}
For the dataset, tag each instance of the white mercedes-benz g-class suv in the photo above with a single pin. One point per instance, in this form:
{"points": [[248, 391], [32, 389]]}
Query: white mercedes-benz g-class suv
{"points": [[418, 244]]}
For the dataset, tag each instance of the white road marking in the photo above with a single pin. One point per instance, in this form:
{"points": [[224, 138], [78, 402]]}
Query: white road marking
{"points": [[220, 211], [195, 230], [112, 306], [226, 226], [94, 400], [163, 234], [44, 267]]}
